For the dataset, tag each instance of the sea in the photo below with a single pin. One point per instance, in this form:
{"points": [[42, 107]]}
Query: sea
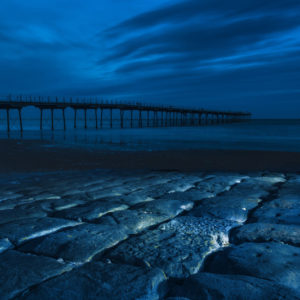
{"points": [[274, 135]]}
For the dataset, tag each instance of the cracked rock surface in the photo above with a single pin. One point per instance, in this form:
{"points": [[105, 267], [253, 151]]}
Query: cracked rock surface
{"points": [[149, 235]]}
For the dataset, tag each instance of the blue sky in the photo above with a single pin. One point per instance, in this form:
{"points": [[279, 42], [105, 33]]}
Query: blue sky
{"points": [[236, 55]]}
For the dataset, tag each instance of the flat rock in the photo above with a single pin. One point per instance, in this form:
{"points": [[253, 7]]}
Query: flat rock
{"points": [[178, 247], [151, 213], [209, 286], [5, 244], [53, 205], [264, 232], [102, 281], [91, 211], [109, 192], [215, 184], [21, 231], [78, 244], [133, 198], [235, 203], [190, 195], [10, 215], [19, 271], [270, 261], [266, 214], [9, 195], [291, 188], [285, 209]]}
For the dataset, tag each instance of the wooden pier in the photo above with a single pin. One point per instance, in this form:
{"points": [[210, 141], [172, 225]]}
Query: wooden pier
{"points": [[148, 115]]}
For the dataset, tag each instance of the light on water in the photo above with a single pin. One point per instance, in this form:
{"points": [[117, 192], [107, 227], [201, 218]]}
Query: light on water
{"points": [[282, 135]]}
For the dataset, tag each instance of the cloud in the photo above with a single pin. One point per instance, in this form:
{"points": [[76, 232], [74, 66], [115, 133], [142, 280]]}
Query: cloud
{"points": [[219, 54]]}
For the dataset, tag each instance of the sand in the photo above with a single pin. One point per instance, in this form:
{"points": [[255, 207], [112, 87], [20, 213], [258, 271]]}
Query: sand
{"points": [[30, 156]]}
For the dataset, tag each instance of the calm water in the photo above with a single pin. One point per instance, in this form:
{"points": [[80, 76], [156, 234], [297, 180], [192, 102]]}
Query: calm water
{"points": [[255, 134]]}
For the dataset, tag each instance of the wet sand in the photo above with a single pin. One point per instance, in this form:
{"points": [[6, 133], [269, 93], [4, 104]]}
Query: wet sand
{"points": [[29, 156]]}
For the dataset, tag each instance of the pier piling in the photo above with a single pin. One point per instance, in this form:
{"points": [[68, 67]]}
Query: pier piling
{"points": [[157, 116]]}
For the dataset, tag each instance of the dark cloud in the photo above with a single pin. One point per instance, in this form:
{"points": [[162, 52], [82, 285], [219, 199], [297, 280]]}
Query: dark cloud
{"points": [[219, 54], [186, 10]]}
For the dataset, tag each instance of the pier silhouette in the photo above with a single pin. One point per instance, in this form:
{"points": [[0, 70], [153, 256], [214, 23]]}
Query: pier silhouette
{"points": [[148, 115]]}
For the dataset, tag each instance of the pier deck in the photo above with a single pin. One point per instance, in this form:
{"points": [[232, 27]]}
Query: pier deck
{"points": [[153, 115]]}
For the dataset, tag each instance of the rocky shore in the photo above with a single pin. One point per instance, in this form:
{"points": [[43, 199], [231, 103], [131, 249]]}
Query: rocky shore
{"points": [[149, 235]]}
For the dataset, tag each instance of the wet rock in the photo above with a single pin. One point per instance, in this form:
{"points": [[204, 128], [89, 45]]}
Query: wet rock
{"points": [[91, 211], [264, 232], [267, 214], [19, 271], [178, 247], [9, 195], [291, 189], [270, 261], [133, 198], [190, 195], [55, 204], [5, 244], [285, 209], [216, 184], [215, 286], [21, 231], [102, 281], [79, 244], [10, 215], [151, 213], [235, 204], [108, 192]]}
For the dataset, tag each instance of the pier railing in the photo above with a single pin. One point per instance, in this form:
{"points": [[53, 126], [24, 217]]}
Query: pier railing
{"points": [[149, 115]]}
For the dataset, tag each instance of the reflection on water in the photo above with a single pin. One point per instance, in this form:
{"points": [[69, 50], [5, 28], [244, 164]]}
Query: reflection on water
{"points": [[256, 134]]}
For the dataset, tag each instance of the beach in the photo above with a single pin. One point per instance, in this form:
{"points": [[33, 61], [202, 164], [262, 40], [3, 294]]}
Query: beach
{"points": [[151, 213], [195, 224], [34, 155]]}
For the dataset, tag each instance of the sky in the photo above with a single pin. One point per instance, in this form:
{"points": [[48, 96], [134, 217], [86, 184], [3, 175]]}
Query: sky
{"points": [[214, 54]]}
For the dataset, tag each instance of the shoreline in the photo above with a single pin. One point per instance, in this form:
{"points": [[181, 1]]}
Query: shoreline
{"points": [[31, 156]]}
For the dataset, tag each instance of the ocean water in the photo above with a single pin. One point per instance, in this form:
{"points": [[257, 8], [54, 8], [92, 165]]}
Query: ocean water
{"points": [[277, 135]]}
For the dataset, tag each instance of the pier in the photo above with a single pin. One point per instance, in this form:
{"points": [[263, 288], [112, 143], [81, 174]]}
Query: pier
{"points": [[147, 115]]}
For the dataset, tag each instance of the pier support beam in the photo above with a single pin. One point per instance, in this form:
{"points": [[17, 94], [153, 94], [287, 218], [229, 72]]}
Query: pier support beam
{"points": [[85, 124], [131, 118], [96, 118], [166, 119], [75, 117], [64, 118], [20, 119], [52, 119], [111, 120], [148, 120], [155, 119], [122, 118], [41, 119], [7, 120], [101, 117], [140, 119]]}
